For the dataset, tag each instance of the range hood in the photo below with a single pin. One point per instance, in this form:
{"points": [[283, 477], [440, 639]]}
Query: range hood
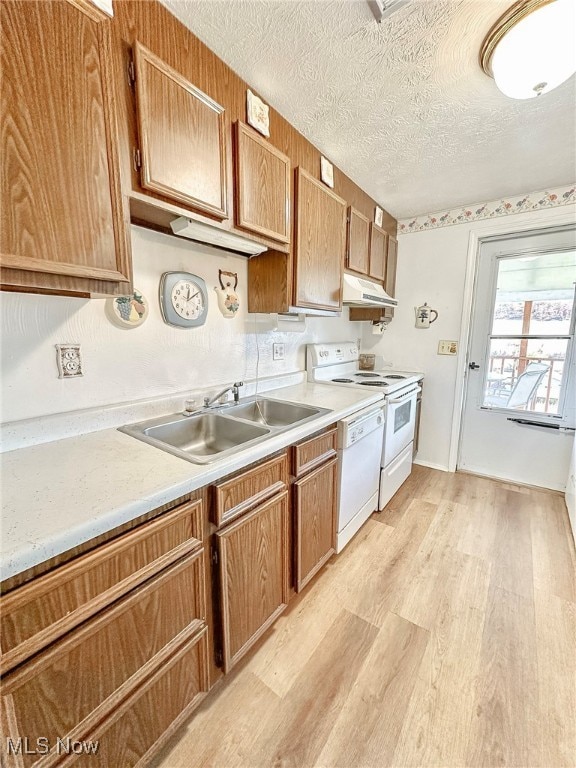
{"points": [[360, 292], [220, 238]]}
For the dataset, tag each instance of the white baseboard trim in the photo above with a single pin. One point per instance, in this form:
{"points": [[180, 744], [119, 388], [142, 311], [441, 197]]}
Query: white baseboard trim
{"points": [[511, 481], [431, 465]]}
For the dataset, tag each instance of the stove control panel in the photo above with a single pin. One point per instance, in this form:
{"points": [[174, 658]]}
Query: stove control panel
{"points": [[331, 354]]}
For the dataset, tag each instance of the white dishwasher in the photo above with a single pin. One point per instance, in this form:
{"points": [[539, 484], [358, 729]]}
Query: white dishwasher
{"points": [[360, 438]]}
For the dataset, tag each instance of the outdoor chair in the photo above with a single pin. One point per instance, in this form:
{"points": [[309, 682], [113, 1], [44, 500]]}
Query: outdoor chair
{"points": [[523, 392]]}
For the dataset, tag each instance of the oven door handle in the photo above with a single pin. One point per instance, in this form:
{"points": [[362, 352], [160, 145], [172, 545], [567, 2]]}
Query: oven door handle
{"points": [[405, 397]]}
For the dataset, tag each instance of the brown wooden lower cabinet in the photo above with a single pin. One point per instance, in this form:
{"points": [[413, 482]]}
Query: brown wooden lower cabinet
{"points": [[253, 570], [145, 721], [315, 521], [93, 643]]}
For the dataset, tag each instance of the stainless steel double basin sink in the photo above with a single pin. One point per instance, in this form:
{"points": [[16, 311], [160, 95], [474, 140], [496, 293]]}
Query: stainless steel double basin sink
{"points": [[214, 433]]}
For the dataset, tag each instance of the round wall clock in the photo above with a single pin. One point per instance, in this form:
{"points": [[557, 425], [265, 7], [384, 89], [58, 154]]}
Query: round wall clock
{"points": [[183, 299]]}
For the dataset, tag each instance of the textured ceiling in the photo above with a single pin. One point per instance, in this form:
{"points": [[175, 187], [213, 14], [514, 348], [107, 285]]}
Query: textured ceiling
{"points": [[402, 107]]}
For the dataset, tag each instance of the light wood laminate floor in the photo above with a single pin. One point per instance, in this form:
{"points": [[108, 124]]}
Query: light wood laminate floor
{"points": [[443, 635]]}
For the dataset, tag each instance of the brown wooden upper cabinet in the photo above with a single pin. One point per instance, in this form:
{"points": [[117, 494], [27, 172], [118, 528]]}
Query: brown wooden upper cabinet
{"points": [[63, 225], [358, 242], [262, 186], [319, 244], [378, 250], [390, 284], [182, 134]]}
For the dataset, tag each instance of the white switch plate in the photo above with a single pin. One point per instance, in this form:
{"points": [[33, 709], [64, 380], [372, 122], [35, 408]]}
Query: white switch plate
{"points": [[447, 347], [278, 351]]}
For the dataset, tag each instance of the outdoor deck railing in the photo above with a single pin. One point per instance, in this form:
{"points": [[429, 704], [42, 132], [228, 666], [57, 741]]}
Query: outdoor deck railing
{"points": [[519, 363]]}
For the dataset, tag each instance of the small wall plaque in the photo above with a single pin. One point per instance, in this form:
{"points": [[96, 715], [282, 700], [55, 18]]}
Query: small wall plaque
{"points": [[127, 311], [378, 216], [258, 113], [327, 172]]}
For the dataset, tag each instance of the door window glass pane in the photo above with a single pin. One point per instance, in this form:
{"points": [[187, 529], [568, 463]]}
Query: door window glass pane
{"points": [[525, 374], [531, 327], [534, 295]]}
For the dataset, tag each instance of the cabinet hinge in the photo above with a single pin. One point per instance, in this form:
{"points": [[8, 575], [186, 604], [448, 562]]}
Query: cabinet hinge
{"points": [[131, 72], [214, 555], [219, 658], [137, 159]]}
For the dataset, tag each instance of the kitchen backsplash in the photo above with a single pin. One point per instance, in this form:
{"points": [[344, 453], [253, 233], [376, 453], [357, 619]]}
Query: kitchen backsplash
{"points": [[122, 365]]}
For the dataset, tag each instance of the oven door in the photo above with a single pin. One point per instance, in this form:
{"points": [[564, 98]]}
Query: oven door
{"points": [[400, 423]]}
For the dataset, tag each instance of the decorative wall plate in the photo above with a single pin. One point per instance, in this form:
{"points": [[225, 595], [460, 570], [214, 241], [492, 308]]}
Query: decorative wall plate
{"points": [[183, 299], [257, 113], [127, 311], [327, 172]]}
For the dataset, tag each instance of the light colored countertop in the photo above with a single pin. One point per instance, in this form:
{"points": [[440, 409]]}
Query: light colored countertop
{"points": [[58, 495]]}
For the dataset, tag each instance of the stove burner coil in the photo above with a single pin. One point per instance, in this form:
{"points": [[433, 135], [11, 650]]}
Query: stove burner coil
{"points": [[343, 381], [394, 376], [368, 375], [372, 383]]}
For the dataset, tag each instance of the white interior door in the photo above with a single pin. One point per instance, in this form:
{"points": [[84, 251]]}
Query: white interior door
{"points": [[519, 407]]}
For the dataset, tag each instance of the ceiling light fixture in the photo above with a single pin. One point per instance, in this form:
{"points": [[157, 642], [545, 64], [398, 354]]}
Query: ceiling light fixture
{"points": [[531, 48]]}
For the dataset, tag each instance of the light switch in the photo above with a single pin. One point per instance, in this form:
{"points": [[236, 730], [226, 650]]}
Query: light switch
{"points": [[447, 347]]}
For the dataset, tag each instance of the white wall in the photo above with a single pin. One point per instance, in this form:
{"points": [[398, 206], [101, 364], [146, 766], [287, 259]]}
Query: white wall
{"points": [[152, 360], [432, 267]]}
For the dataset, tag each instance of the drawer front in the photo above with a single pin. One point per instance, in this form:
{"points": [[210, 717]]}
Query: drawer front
{"points": [[311, 453], [37, 613], [240, 494], [152, 713], [51, 694]]}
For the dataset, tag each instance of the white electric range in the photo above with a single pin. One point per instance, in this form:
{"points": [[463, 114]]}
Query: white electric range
{"points": [[337, 364]]}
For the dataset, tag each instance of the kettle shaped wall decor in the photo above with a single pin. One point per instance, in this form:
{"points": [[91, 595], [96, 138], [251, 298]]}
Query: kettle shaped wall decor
{"points": [[228, 301], [424, 316]]}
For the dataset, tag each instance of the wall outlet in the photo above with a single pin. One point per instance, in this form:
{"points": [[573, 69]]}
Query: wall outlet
{"points": [[69, 361], [447, 347], [278, 351]]}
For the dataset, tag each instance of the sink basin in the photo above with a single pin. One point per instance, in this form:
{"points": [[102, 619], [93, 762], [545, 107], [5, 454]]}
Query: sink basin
{"points": [[200, 438], [212, 434], [274, 413]]}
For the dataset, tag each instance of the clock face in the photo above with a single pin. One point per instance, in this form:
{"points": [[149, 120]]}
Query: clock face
{"points": [[187, 299], [183, 299]]}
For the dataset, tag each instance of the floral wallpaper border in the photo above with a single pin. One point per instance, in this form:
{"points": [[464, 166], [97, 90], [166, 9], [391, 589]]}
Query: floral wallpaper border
{"points": [[504, 207]]}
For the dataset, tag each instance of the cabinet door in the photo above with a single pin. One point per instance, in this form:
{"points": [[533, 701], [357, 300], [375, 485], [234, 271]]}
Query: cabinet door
{"points": [[390, 284], [358, 242], [320, 244], [315, 521], [61, 201], [182, 137], [253, 566], [79, 680], [47, 608], [147, 719], [262, 186], [378, 245]]}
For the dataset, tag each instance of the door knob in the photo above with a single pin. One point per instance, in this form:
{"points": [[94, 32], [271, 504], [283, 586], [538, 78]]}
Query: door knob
{"points": [[473, 366]]}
